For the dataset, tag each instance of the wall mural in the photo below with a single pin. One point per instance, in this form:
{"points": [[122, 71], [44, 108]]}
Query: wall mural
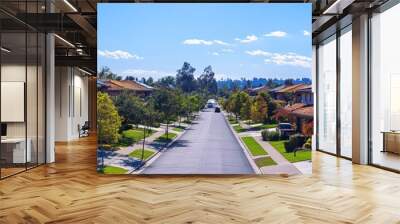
{"points": [[204, 89]]}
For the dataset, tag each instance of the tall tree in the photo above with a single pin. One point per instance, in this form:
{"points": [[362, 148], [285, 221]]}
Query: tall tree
{"points": [[166, 103], [185, 78], [207, 82], [259, 109], [108, 119], [130, 107]]}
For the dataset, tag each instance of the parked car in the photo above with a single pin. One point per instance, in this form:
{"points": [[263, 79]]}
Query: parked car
{"points": [[285, 130], [217, 110]]}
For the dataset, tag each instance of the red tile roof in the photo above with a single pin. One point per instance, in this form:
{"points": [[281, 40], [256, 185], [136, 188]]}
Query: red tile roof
{"points": [[304, 112], [293, 107], [292, 88], [115, 85]]}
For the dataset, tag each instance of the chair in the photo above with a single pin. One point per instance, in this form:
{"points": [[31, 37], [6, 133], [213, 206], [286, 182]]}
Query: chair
{"points": [[84, 130]]}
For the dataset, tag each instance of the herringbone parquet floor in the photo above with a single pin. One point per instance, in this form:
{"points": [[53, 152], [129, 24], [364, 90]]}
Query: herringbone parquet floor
{"points": [[70, 191]]}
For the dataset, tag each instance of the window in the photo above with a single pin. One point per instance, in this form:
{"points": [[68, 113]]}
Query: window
{"points": [[385, 89], [346, 92], [327, 95]]}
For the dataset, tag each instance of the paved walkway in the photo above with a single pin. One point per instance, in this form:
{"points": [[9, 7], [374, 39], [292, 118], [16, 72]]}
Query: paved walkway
{"points": [[283, 166], [207, 147]]}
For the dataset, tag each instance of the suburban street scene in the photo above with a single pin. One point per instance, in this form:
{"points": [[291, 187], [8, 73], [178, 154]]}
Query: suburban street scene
{"points": [[237, 102]]}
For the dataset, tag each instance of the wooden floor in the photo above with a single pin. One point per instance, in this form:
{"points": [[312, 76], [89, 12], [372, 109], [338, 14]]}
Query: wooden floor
{"points": [[70, 191]]}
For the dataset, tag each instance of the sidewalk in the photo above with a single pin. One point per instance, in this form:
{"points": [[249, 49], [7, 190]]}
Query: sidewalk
{"points": [[283, 166]]}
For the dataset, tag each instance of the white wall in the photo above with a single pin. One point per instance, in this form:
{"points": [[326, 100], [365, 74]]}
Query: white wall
{"points": [[71, 102]]}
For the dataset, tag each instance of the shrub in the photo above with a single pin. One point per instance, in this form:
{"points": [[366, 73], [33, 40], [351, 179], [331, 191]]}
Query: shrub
{"points": [[295, 141], [289, 146], [308, 144], [125, 127], [270, 135]]}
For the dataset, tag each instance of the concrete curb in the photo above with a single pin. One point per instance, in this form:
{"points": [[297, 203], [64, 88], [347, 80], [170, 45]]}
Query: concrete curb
{"points": [[253, 165]]}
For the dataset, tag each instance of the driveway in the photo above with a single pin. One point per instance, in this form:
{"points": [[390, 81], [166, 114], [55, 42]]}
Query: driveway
{"points": [[207, 147]]}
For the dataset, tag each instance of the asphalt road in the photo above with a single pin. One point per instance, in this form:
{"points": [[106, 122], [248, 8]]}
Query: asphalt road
{"points": [[207, 147]]}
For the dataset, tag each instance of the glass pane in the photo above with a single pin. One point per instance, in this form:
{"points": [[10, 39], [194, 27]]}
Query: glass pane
{"points": [[327, 96], [13, 86], [41, 99], [346, 94], [385, 84], [31, 98]]}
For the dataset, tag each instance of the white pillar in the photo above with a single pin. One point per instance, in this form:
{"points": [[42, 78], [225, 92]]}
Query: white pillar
{"points": [[360, 89], [50, 100], [314, 90]]}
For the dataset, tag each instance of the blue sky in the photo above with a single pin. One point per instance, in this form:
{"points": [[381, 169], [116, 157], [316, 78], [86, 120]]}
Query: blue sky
{"points": [[237, 40]]}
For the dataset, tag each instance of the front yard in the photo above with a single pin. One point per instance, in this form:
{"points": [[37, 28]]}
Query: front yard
{"points": [[302, 155]]}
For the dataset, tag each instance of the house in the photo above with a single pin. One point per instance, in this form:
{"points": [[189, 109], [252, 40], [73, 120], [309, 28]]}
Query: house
{"points": [[115, 87], [303, 118], [286, 93], [273, 92], [304, 95], [257, 90]]}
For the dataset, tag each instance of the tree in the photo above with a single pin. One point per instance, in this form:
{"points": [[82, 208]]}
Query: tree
{"points": [[240, 105], [207, 82], [245, 110], [259, 109], [288, 82], [108, 119], [166, 82], [106, 74], [166, 103], [130, 107], [150, 117], [131, 78], [185, 78]]}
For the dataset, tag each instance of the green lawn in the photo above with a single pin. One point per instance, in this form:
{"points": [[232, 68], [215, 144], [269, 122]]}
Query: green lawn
{"points": [[114, 170], [178, 129], [136, 134], [255, 148], [265, 161], [163, 138], [239, 128], [138, 154], [300, 155]]}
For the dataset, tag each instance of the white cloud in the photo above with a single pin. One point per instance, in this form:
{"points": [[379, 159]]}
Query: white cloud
{"points": [[118, 54], [248, 39], [215, 53], [227, 50], [221, 43], [258, 53], [204, 42], [139, 73], [282, 59], [277, 33], [290, 59], [306, 33]]}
